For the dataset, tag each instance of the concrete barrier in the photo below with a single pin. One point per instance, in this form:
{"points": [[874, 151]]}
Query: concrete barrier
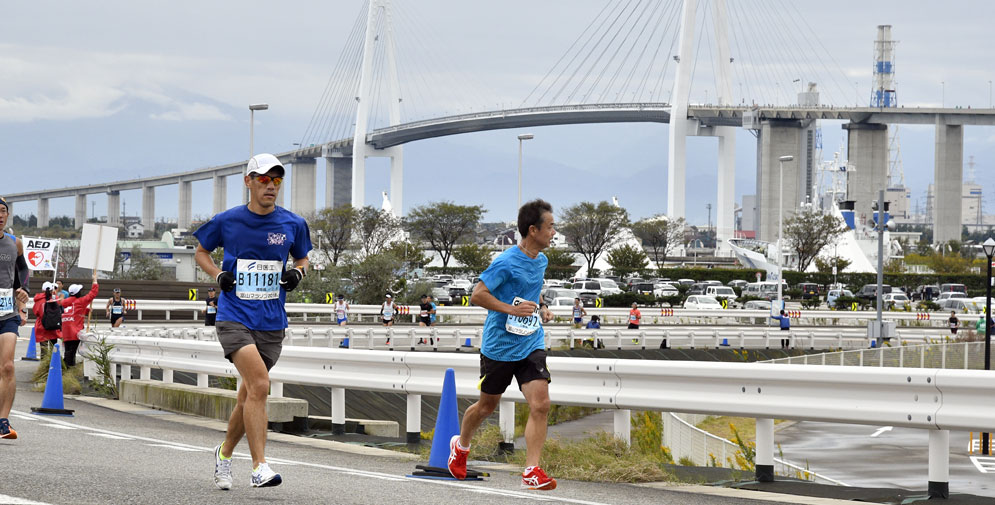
{"points": [[389, 429], [213, 403]]}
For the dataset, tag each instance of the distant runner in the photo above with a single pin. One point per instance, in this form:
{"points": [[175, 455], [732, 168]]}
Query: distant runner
{"points": [[341, 311], [257, 239], [115, 309]]}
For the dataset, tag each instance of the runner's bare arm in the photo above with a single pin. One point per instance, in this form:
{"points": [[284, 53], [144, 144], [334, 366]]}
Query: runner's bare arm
{"points": [[482, 297], [203, 258], [22, 294]]}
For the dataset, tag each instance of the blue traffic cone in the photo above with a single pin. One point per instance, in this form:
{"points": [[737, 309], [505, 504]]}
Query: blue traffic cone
{"points": [[468, 343], [51, 403], [446, 427], [32, 348]]}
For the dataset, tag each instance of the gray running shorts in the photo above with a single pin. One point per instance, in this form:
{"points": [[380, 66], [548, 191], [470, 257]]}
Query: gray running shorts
{"points": [[234, 336]]}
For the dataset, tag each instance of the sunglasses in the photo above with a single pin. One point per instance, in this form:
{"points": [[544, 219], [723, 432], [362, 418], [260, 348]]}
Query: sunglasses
{"points": [[265, 179]]}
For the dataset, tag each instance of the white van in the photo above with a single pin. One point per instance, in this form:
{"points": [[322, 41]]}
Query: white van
{"points": [[765, 290], [720, 292]]}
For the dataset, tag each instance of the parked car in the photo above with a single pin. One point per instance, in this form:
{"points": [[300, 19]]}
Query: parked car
{"points": [[442, 277], [644, 288], [721, 292], [961, 305], [958, 288], [869, 291], [601, 287], [698, 288], [757, 305], [809, 290], [950, 294], [665, 289], [442, 296], [833, 294], [702, 302], [738, 283], [713, 283], [765, 290], [552, 283], [632, 281], [686, 282], [561, 301], [553, 293], [900, 300]]}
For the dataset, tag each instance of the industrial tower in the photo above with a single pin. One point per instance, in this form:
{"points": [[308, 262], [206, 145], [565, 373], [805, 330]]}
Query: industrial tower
{"points": [[883, 94]]}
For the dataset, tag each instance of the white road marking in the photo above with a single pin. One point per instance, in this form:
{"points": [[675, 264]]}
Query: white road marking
{"points": [[59, 426], [476, 488], [26, 418], [13, 500], [882, 430], [984, 464], [112, 437], [176, 447]]}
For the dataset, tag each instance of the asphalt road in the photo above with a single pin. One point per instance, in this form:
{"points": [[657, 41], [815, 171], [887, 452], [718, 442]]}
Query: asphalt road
{"points": [[882, 456], [105, 456]]}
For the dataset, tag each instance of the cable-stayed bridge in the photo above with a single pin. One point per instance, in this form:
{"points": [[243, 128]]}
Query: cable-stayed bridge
{"points": [[698, 61]]}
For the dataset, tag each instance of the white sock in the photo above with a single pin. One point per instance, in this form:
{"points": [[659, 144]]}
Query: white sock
{"points": [[527, 470], [460, 446]]}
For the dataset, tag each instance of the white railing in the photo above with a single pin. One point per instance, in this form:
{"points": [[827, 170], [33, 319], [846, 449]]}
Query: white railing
{"points": [[936, 400], [953, 355], [456, 338], [616, 315], [686, 440]]}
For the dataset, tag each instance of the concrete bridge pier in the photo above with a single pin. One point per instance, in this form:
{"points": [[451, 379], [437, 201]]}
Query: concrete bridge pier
{"points": [[80, 210], [725, 223], [948, 177], [220, 194], [396, 178], [776, 139], [113, 208], [42, 212], [867, 151], [185, 199], [338, 181], [302, 197], [148, 208]]}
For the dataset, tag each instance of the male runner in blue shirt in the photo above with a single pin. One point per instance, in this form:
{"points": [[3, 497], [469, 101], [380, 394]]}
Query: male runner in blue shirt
{"points": [[257, 239], [513, 343]]}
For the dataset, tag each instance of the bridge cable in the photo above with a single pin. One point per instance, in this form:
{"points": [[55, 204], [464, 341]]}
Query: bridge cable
{"points": [[666, 61], [344, 71], [580, 51], [658, 87], [766, 54], [564, 55], [829, 53], [605, 49], [587, 55], [754, 45], [612, 59], [783, 51], [697, 52], [347, 90], [657, 17], [795, 44], [743, 57], [628, 54], [829, 74]]}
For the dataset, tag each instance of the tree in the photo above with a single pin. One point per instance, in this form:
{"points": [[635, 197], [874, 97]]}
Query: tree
{"points": [[660, 234], [593, 228], [561, 263], [375, 229], [473, 256], [443, 225], [809, 231], [410, 255], [334, 227], [68, 257], [375, 275], [143, 266], [825, 266], [627, 259]]}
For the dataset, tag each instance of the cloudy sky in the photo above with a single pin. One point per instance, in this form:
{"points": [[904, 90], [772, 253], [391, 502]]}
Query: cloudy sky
{"points": [[98, 92]]}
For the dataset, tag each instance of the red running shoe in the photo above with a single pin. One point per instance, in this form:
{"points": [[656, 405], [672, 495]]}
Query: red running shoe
{"points": [[457, 459], [537, 479]]}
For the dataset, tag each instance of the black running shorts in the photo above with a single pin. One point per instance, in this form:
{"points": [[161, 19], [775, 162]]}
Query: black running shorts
{"points": [[495, 376], [234, 336]]}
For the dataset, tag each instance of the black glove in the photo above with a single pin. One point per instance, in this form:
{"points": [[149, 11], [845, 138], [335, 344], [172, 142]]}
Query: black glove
{"points": [[226, 280], [291, 278]]}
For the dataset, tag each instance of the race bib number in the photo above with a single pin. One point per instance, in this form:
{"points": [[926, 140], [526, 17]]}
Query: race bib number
{"points": [[522, 325], [212, 310], [117, 309], [423, 313], [340, 314], [632, 317], [258, 279], [6, 301], [577, 314]]}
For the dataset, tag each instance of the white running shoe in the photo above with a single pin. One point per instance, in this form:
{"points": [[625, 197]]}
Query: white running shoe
{"points": [[222, 470], [263, 476]]}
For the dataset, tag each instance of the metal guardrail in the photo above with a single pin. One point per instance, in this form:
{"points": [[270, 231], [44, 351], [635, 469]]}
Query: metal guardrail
{"points": [[952, 355], [936, 400]]}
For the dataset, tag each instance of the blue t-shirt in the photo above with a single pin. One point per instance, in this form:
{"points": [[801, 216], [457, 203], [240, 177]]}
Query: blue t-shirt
{"points": [[512, 274], [431, 316], [256, 249]]}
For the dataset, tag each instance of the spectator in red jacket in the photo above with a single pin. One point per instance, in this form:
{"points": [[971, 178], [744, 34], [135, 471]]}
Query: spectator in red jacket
{"points": [[74, 316], [45, 338]]}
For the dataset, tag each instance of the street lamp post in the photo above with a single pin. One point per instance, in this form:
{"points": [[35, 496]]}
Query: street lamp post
{"points": [[780, 228], [989, 247], [521, 139], [252, 123]]}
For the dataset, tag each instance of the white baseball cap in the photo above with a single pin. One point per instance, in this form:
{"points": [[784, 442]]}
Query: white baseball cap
{"points": [[74, 289], [262, 163], [47, 286]]}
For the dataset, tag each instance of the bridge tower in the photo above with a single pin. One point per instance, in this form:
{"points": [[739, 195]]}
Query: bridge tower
{"points": [[681, 126], [883, 94], [360, 150]]}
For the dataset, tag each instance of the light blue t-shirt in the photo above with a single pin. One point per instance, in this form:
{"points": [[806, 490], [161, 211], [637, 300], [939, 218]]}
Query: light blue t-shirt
{"points": [[256, 249], [431, 317], [512, 274]]}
